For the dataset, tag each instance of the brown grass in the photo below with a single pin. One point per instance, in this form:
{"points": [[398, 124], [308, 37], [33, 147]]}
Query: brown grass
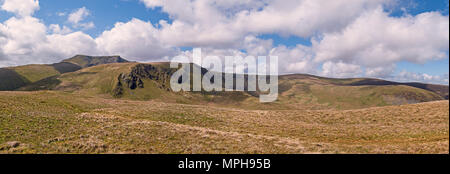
{"points": [[57, 122]]}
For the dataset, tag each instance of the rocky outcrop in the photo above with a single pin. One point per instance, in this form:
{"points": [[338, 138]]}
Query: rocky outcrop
{"points": [[141, 72]]}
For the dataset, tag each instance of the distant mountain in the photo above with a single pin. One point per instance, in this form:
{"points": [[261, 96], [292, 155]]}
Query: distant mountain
{"points": [[13, 78], [138, 81], [88, 61], [441, 90], [119, 78]]}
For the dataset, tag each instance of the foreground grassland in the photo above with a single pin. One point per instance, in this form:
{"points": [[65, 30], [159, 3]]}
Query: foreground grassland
{"points": [[59, 122]]}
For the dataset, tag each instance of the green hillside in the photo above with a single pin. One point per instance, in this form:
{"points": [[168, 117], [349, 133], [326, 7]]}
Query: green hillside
{"points": [[35, 73], [33, 77], [129, 108], [114, 77], [88, 61], [16, 77], [139, 81]]}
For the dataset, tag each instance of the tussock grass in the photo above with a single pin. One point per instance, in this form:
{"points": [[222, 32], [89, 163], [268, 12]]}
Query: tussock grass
{"points": [[61, 122]]}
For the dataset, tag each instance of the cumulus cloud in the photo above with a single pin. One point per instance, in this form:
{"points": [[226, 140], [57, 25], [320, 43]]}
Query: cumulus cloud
{"points": [[376, 39], [222, 23], [381, 71], [303, 18], [340, 70], [298, 59], [79, 15], [135, 39], [350, 38], [26, 40], [56, 28], [21, 35], [20, 7], [406, 76], [87, 26]]}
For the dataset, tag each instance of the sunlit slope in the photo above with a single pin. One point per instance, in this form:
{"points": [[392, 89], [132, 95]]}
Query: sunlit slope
{"points": [[13, 78], [37, 77], [88, 61], [441, 90], [139, 81], [135, 81], [61, 122], [93, 80], [314, 92]]}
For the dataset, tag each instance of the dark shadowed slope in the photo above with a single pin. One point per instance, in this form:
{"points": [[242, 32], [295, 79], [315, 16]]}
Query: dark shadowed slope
{"points": [[10, 79], [19, 77]]}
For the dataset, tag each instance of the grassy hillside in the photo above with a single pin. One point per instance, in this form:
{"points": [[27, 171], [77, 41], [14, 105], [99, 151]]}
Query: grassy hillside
{"points": [[11, 80], [88, 61], [151, 82], [129, 108], [61, 122], [114, 77], [17, 77], [315, 92], [35, 73], [441, 90], [35, 77]]}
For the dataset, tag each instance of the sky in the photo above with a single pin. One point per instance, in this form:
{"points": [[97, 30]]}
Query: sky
{"points": [[400, 40]]}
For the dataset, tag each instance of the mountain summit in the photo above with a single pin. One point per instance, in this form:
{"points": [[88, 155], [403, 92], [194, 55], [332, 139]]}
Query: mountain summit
{"points": [[88, 61]]}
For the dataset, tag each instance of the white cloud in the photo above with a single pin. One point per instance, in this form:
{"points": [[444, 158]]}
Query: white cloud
{"points": [[61, 14], [297, 59], [405, 76], [21, 34], [376, 39], [340, 70], [222, 23], [62, 46], [56, 29], [26, 40], [78, 15], [20, 7], [135, 39], [303, 18], [350, 37], [87, 26], [381, 71]]}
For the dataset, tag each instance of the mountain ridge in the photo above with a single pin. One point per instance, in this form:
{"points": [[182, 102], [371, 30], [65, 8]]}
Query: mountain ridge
{"points": [[150, 81], [118, 78], [19, 76]]}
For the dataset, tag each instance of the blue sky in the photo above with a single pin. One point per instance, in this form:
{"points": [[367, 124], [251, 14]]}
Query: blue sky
{"points": [[106, 13], [436, 67]]}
